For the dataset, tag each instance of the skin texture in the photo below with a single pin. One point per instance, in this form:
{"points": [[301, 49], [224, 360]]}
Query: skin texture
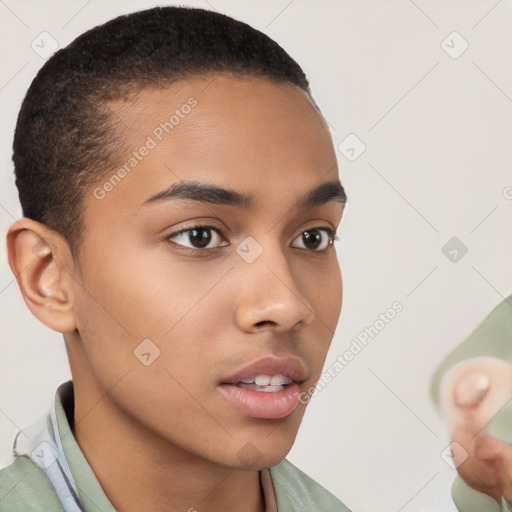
{"points": [[144, 426], [473, 393]]}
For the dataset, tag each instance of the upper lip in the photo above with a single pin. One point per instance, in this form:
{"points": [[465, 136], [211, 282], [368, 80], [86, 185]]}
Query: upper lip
{"points": [[286, 366]]}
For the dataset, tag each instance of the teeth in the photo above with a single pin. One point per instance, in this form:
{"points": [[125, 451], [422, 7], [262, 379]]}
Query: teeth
{"points": [[267, 380], [265, 389], [262, 380], [279, 380], [270, 389]]}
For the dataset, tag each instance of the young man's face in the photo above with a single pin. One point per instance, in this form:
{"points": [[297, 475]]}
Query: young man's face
{"points": [[255, 287]]}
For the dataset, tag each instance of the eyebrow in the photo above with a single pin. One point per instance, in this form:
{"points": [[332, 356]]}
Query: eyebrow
{"points": [[208, 193]]}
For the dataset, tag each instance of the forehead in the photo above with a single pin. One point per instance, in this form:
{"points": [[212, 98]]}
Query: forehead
{"points": [[248, 133]]}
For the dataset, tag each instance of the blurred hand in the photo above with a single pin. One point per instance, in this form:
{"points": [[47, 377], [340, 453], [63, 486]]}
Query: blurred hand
{"points": [[472, 393]]}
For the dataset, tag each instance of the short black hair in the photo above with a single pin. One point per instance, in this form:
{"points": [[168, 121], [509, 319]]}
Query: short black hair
{"points": [[65, 137]]}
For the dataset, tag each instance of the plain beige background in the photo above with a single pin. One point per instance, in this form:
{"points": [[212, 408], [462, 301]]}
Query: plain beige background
{"points": [[435, 121]]}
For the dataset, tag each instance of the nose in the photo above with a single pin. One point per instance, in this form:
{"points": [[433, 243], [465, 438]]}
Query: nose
{"points": [[270, 297]]}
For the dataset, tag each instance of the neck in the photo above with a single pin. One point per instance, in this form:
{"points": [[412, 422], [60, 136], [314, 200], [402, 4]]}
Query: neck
{"points": [[139, 470]]}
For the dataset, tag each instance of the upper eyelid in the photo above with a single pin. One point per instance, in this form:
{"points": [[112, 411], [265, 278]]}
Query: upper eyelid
{"points": [[197, 226]]}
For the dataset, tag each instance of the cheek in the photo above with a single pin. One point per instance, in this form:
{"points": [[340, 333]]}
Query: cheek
{"points": [[322, 286], [148, 341], [128, 297], [324, 291], [332, 296], [131, 296]]}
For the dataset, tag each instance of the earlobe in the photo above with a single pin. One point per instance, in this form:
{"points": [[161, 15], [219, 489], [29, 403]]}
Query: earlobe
{"points": [[43, 281]]}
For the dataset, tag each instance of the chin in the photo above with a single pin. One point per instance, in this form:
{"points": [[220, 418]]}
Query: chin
{"points": [[261, 461], [266, 450]]}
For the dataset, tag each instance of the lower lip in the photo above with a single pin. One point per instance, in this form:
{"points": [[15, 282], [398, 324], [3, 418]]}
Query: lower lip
{"points": [[259, 404]]}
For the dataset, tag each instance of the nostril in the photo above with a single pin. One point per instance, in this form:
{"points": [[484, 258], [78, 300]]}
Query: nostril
{"points": [[263, 322]]}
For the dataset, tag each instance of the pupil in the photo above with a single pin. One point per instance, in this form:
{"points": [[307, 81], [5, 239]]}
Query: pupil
{"points": [[313, 237], [202, 235]]}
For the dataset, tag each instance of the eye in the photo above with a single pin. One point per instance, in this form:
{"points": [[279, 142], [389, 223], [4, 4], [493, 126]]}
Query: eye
{"points": [[198, 237], [312, 239]]}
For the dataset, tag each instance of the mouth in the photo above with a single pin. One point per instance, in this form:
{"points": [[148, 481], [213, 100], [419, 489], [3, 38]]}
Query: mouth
{"points": [[267, 388]]}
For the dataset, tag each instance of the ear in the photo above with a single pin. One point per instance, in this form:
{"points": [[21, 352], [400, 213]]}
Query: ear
{"points": [[42, 263]]}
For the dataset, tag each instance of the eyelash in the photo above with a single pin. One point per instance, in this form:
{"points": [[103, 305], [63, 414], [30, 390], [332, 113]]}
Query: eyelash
{"points": [[330, 232]]}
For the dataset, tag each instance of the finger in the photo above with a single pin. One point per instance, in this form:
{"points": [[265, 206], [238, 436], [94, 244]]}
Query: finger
{"points": [[471, 389]]}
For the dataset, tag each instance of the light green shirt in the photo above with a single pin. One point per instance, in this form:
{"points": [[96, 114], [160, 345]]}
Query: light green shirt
{"points": [[51, 474]]}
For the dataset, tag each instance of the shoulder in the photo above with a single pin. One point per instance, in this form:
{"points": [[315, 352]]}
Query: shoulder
{"points": [[25, 488], [298, 492]]}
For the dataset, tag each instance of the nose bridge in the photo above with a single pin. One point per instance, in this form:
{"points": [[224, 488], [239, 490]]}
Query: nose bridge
{"points": [[270, 291]]}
